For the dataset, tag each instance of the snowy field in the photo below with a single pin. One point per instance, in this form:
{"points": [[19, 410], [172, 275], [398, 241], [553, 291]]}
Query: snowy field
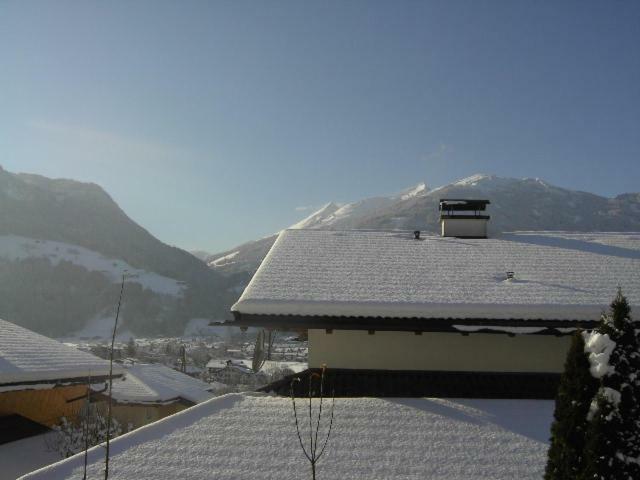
{"points": [[24, 456], [242, 436], [14, 247]]}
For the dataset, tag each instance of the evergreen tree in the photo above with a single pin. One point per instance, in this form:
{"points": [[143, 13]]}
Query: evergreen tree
{"points": [[575, 393], [613, 436], [602, 442]]}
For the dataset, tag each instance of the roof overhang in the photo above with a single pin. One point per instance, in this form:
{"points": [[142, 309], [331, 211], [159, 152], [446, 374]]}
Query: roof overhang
{"points": [[123, 402], [484, 325], [56, 383]]}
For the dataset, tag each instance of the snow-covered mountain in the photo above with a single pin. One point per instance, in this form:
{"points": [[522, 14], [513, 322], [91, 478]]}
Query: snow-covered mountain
{"points": [[516, 204]]}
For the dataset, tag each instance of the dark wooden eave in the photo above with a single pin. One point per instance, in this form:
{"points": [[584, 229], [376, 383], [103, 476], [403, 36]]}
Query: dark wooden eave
{"points": [[61, 382], [446, 216], [303, 322], [103, 396]]}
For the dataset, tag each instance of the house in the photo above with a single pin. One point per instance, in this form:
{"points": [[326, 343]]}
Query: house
{"points": [[239, 436], [457, 315], [149, 392], [41, 379], [232, 371]]}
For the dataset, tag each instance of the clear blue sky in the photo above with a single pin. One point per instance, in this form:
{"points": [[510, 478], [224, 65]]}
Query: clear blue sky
{"points": [[210, 122]]}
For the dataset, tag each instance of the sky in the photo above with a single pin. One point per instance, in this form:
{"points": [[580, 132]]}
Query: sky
{"points": [[212, 123]]}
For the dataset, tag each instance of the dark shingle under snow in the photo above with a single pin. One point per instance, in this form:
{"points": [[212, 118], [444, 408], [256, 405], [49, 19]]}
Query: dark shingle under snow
{"points": [[557, 276]]}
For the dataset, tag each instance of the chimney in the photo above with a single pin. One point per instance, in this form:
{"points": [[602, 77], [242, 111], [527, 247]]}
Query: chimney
{"points": [[462, 218]]}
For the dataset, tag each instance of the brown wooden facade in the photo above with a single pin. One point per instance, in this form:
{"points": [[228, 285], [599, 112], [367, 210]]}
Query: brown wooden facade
{"points": [[44, 406]]}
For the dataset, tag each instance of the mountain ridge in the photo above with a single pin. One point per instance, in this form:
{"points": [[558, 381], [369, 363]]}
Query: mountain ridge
{"points": [[516, 204]]}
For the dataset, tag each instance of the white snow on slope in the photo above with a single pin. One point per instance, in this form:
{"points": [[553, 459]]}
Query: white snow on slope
{"points": [[558, 276], [478, 181], [240, 436], [484, 182], [14, 247], [154, 383], [26, 356], [318, 217], [224, 260], [473, 179], [411, 192], [346, 215]]}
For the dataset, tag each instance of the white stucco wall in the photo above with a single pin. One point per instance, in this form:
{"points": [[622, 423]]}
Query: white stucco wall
{"points": [[463, 227], [437, 351]]}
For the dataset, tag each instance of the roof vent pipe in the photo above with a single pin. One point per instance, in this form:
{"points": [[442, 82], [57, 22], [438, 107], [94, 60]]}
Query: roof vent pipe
{"points": [[416, 234]]}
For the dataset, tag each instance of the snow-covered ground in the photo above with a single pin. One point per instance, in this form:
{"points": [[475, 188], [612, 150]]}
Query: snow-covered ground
{"points": [[24, 456], [253, 436], [14, 247]]}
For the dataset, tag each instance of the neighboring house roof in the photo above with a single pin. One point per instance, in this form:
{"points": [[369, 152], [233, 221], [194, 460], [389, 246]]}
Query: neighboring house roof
{"points": [[216, 363], [158, 384], [28, 358], [391, 275], [236, 364], [250, 436]]}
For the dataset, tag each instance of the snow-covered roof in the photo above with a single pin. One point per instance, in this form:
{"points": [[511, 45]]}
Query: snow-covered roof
{"points": [[217, 363], [155, 383], [28, 357], [558, 276], [250, 436]]}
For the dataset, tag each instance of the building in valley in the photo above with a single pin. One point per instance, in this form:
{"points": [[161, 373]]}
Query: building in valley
{"points": [[457, 315], [149, 392]]}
